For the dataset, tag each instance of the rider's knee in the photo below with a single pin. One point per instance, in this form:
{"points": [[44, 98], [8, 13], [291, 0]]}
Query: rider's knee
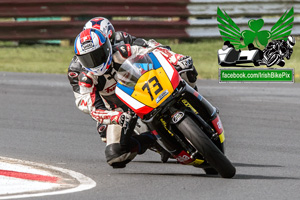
{"points": [[117, 154]]}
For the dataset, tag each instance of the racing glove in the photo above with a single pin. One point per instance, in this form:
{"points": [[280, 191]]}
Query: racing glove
{"points": [[111, 117], [185, 62], [124, 119]]}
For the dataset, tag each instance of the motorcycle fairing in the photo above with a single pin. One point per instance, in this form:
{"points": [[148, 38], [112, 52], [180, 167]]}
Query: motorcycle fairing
{"points": [[139, 108], [156, 83]]}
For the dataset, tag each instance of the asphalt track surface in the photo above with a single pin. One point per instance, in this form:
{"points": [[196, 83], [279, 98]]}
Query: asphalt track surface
{"points": [[40, 123]]}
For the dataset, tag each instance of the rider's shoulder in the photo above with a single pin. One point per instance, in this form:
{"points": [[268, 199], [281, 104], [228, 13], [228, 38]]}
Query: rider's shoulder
{"points": [[123, 50], [122, 37]]}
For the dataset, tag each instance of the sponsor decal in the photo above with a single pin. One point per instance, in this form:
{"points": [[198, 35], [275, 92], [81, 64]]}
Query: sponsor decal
{"points": [[218, 125], [111, 88], [187, 104], [83, 103], [87, 45], [165, 126], [184, 158], [177, 117], [162, 95]]}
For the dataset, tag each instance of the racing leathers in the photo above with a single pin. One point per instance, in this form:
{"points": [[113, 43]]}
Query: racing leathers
{"points": [[95, 95]]}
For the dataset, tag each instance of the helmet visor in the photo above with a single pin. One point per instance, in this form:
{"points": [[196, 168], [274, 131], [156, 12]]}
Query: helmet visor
{"points": [[95, 58]]}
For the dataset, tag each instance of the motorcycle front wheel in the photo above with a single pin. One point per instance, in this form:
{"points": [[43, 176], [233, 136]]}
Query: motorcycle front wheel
{"points": [[206, 147]]}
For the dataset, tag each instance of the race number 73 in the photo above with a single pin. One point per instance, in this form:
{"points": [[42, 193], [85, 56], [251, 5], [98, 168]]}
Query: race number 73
{"points": [[156, 85]]}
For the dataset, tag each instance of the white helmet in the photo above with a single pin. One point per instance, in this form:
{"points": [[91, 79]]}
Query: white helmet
{"points": [[291, 41], [103, 25], [93, 50]]}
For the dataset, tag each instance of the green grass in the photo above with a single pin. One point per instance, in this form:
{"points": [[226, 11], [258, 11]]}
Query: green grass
{"points": [[35, 58], [56, 59]]}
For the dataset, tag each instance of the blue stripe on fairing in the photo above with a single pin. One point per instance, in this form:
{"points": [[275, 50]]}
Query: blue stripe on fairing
{"points": [[125, 89], [155, 62]]}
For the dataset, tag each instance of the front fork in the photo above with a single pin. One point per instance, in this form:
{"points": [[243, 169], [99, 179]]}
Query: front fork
{"points": [[178, 147], [207, 115]]}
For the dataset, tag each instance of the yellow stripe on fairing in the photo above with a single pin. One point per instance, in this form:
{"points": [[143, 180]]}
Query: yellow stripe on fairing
{"points": [[222, 137]]}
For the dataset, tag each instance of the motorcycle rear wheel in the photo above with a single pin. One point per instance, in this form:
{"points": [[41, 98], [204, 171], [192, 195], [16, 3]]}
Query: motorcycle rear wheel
{"points": [[206, 148]]}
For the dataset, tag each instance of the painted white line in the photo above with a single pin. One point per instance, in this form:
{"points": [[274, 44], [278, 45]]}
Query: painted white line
{"points": [[13, 187]]}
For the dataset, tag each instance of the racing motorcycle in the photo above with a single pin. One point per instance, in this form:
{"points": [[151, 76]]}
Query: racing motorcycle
{"points": [[183, 121]]}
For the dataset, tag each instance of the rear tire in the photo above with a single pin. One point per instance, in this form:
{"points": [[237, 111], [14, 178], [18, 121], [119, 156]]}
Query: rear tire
{"points": [[206, 148]]}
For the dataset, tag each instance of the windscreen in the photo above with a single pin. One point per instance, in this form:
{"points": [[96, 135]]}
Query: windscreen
{"points": [[133, 68]]}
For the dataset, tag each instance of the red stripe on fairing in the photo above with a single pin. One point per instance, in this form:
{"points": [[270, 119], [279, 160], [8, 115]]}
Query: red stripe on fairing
{"points": [[175, 79], [141, 111], [28, 176], [175, 76]]}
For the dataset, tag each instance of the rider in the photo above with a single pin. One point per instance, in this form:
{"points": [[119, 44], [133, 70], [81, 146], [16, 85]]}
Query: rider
{"points": [[277, 50], [94, 91], [97, 96], [75, 68]]}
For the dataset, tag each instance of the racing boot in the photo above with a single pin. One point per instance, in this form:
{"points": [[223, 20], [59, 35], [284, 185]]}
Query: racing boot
{"points": [[120, 150], [117, 153], [165, 155]]}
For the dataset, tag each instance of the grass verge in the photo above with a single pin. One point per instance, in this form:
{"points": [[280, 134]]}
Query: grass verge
{"points": [[56, 59]]}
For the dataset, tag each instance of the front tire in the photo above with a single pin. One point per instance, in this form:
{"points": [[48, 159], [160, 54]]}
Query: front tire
{"points": [[206, 148]]}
